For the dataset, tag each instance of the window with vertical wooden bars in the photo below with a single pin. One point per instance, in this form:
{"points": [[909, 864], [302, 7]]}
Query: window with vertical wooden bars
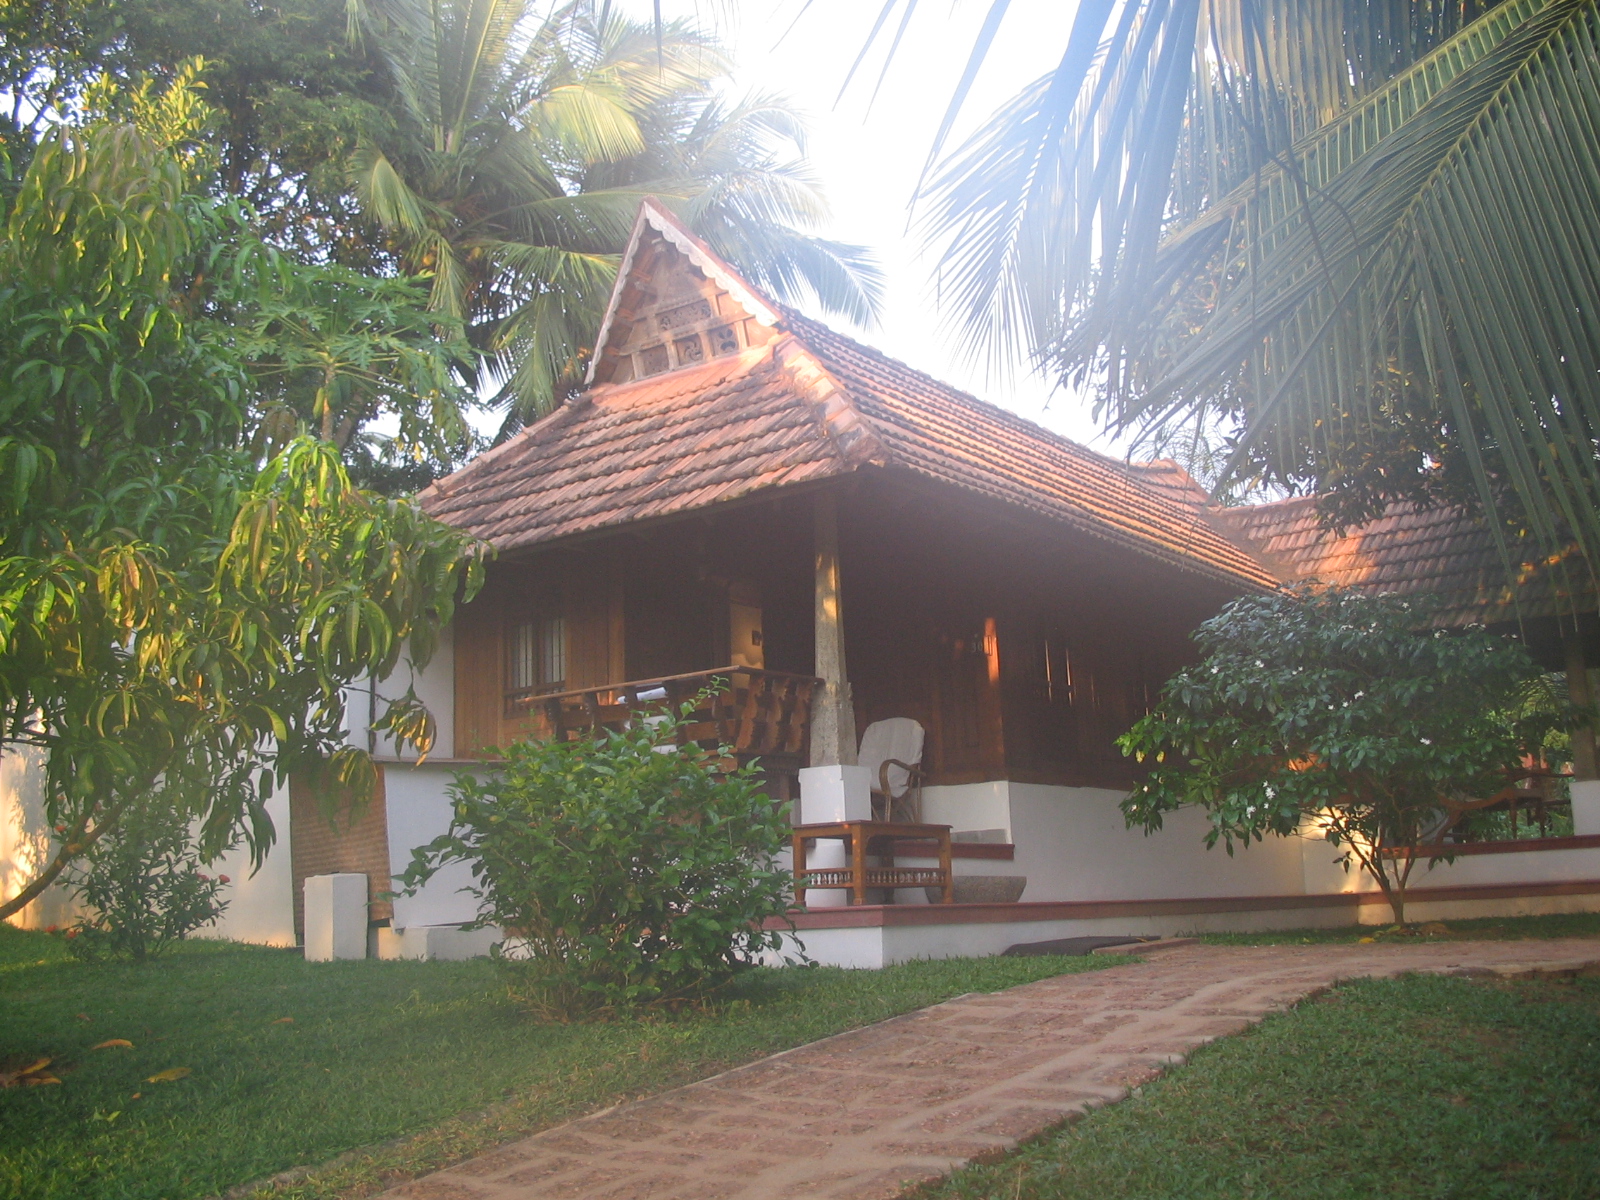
{"points": [[538, 655]]}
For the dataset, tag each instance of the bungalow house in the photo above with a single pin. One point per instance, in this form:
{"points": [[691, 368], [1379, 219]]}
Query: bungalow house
{"points": [[743, 494]]}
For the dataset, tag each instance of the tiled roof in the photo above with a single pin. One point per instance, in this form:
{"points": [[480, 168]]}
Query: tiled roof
{"points": [[1410, 551], [933, 429], [810, 405], [668, 444]]}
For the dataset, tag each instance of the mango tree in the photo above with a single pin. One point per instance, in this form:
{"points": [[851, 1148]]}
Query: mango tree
{"points": [[179, 611]]}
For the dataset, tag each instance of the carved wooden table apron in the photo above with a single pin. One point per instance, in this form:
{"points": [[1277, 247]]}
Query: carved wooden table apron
{"points": [[864, 839]]}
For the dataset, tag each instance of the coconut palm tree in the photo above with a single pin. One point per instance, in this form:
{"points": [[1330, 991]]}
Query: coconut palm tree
{"points": [[525, 140], [1362, 235]]}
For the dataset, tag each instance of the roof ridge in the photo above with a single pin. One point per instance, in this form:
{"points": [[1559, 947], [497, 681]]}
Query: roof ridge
{"points": [[844, 424], [1124, 468]]}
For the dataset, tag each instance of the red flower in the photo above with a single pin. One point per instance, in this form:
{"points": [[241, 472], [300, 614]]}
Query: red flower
{"points": [[51, 928], [223, 879], [72, 933]]}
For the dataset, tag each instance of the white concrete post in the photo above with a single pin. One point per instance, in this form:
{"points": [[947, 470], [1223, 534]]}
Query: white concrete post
{"points": [[336, 917], [828, 794], [835, 793], [1585, 806]]}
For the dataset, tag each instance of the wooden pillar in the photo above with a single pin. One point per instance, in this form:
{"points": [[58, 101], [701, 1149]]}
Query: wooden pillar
{"points": [[617, 629], [1583, 741], [991, 730], [833, 719]]}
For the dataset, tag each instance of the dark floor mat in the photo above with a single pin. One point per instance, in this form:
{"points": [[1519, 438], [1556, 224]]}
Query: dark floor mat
{"points": [[1077, 945]]}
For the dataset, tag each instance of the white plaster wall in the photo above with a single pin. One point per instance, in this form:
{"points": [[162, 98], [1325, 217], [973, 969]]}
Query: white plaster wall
{"points": [[1538, 866], [1585, 806], [25, 839], [1323, 874], [1322, 871], [260, 905], [419, 811], [1464, 910], [435, 686], [858, 948], [969, 806], [1073, 844], [878, 946]]}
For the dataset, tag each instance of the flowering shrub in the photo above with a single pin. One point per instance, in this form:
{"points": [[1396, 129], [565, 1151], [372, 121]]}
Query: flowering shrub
{"points": [[144, 888], [626, 870]]}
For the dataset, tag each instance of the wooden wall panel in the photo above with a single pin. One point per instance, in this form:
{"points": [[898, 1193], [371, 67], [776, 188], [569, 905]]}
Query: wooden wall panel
{"points": [[586, 588], [480, 669]]}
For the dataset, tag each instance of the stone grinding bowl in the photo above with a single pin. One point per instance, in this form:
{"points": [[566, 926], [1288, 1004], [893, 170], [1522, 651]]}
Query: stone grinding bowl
{"points": [[983, 889]]}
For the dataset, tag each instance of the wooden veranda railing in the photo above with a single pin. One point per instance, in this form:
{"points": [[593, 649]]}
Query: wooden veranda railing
{"points": [[756, 712]]}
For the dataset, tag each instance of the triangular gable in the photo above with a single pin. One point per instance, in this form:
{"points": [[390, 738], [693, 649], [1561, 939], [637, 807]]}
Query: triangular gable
{"points": [[675, 305]]}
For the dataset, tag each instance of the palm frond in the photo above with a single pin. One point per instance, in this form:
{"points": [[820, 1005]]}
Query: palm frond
{"points": [[386, 195], [1333, 223], [592, 124]]}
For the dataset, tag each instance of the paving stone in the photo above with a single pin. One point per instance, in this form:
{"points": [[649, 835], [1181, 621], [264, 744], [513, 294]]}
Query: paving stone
{"points": [[863, 1115]]}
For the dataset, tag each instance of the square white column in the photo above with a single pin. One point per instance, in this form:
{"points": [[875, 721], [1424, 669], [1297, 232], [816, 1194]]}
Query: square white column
{"points": [[835, 793], [827, 794], [1585, 806], [336, 917]]}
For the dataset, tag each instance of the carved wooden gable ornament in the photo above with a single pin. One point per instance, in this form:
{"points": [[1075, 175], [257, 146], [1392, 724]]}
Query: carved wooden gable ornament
{"points": [[675, 304]]}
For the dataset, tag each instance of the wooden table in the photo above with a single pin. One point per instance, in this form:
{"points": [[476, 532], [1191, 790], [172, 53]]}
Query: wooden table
{"points": [[876, 838]]}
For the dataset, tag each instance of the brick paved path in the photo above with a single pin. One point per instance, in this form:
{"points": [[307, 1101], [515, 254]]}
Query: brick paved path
{"points": [[862, 1114]]}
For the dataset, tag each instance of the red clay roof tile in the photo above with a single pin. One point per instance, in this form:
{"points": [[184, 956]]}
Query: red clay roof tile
{"points": [[812, 405], [1438, 552]]}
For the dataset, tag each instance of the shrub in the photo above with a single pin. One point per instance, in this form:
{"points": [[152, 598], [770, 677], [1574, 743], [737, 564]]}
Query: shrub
{"points": [[1346, 710], [627, 869], [143, 886]]}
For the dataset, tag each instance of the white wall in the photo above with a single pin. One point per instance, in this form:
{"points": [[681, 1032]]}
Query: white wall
{"points": [[969, 806], [260, 905], [25, 841], [1073, 844], [419, 811], [435, 686]]}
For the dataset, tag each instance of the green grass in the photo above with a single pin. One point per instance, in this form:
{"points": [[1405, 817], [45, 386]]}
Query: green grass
{"points": [[1553, 925], [1421, 1087], [374, 1051]]}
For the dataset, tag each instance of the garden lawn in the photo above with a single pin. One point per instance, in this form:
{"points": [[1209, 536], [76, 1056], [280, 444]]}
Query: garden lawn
{"points": [[294, 1063], [1420, 1086]]}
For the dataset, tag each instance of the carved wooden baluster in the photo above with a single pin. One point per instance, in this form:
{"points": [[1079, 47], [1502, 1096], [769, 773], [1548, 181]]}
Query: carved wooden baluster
{"points": [[776, 732], [796, 714], [591, 707], [746, 739], [674, 704]]}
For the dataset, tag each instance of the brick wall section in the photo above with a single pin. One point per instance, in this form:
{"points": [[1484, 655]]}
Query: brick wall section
{"points": [[356, 840]]}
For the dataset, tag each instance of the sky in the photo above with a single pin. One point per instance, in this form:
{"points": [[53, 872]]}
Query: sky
{"points": [[868, 153]]}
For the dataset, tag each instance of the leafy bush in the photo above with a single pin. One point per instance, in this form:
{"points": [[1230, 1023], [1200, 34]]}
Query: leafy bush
{"points": [[144, 888], [1341, 709], [626, 869]]}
